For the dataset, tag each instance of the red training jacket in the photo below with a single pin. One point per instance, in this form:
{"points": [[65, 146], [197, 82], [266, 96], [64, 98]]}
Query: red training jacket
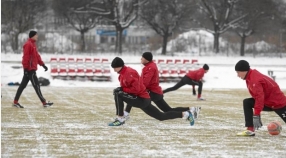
{"points": [[131, 82], [196, 75], [31, 57], [265, 91], [150, 77]]}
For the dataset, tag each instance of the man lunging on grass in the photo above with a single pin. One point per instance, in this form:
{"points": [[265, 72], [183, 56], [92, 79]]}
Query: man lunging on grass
{"points": [[193, 77], [133, 92], [150, 78], [266, 96]]}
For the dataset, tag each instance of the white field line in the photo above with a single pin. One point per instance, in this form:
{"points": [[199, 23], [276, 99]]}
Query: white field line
{"points": [[42, 147], [70, 101]]}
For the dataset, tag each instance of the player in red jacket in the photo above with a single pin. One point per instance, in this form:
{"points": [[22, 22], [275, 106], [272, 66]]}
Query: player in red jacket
{"points": [[192, 78], [266, 96], [133, 92], [31, 59], [150, 77]]}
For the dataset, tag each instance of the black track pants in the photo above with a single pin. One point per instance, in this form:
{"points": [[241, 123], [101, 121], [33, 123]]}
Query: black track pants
{"points": [[248, 105], [31, 76], [161, 104], [144, 104], [185, 80]]}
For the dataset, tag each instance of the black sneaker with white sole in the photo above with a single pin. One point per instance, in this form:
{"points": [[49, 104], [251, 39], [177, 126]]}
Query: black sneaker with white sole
{"points": [[48, 104], [17, 105]]}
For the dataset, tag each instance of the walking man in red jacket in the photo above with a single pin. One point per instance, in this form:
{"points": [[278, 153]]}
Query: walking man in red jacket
{"points": [[192, 78], [266, 96], [150, 78], [30, 61], [133, 92]]}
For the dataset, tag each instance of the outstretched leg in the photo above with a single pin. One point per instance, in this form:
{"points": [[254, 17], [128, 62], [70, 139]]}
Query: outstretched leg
{"points": [[152, 111], [181, 83], [282, 113], [163, 105]]}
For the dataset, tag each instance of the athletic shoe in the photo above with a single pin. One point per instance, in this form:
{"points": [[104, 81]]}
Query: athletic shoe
{"points": [[196, 111], [191, 118], [48, 104], [201, 99], [17, 105], [246, 133], [116, 123]]}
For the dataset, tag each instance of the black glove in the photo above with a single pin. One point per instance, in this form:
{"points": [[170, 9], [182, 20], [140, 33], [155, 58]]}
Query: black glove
{"points": [[26, 72], [45, 67], [116, 90], [257, 122]]}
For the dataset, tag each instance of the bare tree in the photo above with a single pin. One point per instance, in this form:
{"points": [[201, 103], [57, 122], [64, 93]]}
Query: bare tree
{"points": [[219, 14], [260, 13], [18, 16], [165, 16], [79, 21], [120, 13]]}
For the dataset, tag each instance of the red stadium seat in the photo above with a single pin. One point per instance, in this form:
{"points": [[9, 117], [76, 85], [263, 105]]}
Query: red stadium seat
{"points": [[53, 60], [63, 72], [54, 72], [194, 61], [71, 60], [71, 72]]}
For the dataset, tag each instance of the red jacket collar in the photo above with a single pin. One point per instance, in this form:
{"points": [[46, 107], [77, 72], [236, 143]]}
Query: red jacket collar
{"points": [[32, 40], [247, 76], [148, 63], [123, 69]]}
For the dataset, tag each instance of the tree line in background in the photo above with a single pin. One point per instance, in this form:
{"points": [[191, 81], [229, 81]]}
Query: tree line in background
{"points": [[245, 18]]}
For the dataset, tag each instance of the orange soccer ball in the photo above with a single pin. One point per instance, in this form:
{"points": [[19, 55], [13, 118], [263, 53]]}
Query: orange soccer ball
{"points": [[274, 128]]}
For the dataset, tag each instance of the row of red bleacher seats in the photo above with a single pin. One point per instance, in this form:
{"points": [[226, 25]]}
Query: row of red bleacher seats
{"points": [[172, 70], [98, 69], [94, 69]]}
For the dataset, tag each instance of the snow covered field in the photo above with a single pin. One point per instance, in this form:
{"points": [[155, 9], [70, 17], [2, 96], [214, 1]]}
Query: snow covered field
{"points": [[76, 126]]}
